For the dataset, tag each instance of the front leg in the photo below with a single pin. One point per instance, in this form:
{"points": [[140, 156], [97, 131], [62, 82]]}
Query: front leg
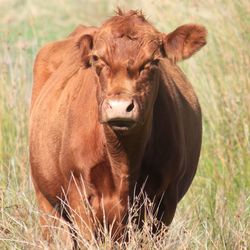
{"points": [[81, 213], [53, 225]]}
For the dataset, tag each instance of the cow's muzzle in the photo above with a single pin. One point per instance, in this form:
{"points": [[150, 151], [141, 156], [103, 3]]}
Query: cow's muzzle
{"points": [[120, 113]]}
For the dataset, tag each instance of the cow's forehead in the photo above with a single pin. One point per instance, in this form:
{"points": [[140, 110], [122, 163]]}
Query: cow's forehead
{"points": [[126, 37], [121, 47]]}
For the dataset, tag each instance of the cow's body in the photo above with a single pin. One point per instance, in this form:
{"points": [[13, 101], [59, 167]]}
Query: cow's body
{"points": [[74, 157]]}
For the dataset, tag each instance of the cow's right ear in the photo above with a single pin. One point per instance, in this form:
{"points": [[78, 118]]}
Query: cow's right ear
{"points": [[85, 44]]}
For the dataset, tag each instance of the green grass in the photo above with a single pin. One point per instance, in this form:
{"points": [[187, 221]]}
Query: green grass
{"points": [[215, 214]]}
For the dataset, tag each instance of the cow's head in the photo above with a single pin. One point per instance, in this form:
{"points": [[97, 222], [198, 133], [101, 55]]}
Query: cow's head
{"points": [[125, 53]]}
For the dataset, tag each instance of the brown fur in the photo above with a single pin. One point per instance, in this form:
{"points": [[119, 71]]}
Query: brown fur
{"points": [[74, 156]]}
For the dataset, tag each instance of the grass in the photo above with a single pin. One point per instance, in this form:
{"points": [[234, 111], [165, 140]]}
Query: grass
{"points": [[215, 214]]}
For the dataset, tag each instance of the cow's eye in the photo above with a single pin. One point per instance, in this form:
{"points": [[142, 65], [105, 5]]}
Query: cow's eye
{"points": [[147, 66], [102, 68], [94, 59], [97, 64], [144, 67], [155, 62], [98, 68]]}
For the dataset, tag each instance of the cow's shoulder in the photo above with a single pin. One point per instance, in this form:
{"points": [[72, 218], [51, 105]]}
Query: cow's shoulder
{"points": [[47, 61], [50, 57]]}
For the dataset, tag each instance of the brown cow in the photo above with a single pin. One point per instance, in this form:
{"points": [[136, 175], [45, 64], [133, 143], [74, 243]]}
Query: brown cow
{"points": [[111, 110]]}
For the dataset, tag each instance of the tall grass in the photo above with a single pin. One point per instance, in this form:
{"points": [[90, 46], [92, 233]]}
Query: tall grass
{"points": [[215, 212]]}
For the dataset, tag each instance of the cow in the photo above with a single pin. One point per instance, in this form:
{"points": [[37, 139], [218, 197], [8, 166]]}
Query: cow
{"points": [[111, 113]]}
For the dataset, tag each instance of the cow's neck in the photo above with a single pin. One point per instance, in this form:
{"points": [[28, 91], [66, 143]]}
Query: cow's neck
{"points": [[125, 154]]}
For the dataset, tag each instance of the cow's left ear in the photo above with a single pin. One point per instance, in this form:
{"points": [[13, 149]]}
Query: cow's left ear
{"points": [[85, 44], [184, 41]]}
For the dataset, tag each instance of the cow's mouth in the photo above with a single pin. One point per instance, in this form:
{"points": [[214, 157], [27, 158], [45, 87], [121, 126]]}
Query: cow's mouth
{"points": [[121, 124]]}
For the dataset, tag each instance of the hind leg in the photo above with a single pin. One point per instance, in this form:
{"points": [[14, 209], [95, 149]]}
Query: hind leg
{"points": [[168, 205]]}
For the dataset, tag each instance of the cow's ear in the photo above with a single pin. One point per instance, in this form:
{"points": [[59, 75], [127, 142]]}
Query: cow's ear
{"points": [[184, 41], [85, 44]]}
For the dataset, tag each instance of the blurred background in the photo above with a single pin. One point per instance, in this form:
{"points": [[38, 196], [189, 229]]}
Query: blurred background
{"points": [[215, 213]]}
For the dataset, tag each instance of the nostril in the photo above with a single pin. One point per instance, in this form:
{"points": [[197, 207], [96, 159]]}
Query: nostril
{"points": [[108, 105], [130, 107]]}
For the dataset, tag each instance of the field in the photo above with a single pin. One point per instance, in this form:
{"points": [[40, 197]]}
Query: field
{"points": [[215, 213]]}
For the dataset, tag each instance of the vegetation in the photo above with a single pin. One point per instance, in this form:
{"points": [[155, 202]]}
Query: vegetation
{"points": [[215, 214]]}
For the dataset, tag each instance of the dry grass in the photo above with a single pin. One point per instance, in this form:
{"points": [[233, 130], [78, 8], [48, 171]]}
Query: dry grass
{"points": [[215, 212]]}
